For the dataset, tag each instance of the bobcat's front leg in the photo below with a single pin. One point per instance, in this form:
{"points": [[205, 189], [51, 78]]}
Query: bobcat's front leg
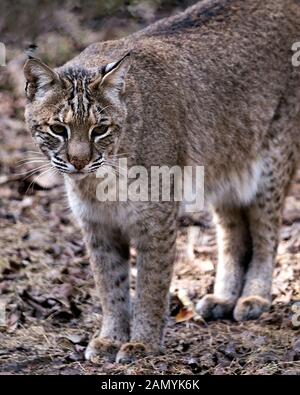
{"points": [[156, 254], [109, 255]]}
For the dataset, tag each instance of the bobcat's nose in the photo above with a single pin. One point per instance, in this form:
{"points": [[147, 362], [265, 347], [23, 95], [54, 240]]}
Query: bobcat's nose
{"points": [[78, 163], [79, 152]]}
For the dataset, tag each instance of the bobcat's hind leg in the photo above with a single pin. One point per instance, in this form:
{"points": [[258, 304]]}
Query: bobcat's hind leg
{"points": [[264, 221], [234, 246]]}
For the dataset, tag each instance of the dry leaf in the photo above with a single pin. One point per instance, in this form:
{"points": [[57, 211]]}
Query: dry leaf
{"points": [[187, 311], [184, 315]]}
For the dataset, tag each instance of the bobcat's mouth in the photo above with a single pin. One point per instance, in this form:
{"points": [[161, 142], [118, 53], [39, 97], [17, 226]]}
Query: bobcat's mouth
{"points": [[69, 169]]}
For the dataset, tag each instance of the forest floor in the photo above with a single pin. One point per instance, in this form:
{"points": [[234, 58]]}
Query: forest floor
{"points": [[47, 289]]}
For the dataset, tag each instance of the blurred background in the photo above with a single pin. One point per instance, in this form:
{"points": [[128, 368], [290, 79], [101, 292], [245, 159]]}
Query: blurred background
{"points": [[62, 28]]}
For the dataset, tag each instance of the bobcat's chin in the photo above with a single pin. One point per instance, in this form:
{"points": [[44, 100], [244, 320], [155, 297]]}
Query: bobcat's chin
{"points": [[77, 176]]}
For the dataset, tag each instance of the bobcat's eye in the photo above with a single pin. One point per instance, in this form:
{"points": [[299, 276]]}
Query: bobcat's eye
{"points": [[59, 130], [99, 132]]}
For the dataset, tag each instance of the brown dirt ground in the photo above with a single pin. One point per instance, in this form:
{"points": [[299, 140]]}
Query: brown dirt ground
{"points": [[47, 287]]}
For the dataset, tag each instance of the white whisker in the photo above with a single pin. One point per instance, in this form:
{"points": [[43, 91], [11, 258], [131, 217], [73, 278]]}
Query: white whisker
{"points": [[27, 159], [34, 181], [32, 171], [31, 161], [105, 108]]}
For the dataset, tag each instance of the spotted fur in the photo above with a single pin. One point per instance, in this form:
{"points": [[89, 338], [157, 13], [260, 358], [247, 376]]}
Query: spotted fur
{"points": [[213, 86]]}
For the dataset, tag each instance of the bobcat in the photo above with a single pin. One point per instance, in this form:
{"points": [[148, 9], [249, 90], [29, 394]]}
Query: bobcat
{"points": [[212, 86]]}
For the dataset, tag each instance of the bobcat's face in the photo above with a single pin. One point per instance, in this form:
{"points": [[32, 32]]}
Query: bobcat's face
{"points": [[76, 115]]}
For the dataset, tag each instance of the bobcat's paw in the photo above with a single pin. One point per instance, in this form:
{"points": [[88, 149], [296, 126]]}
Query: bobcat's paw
{"points": [[130, 352], [212, 308], [101, 348], [250, 308]]}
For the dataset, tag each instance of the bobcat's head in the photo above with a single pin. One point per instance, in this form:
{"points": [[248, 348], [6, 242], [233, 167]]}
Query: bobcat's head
{"points": [[74, 114]]}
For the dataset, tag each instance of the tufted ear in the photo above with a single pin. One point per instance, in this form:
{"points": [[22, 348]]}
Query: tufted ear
{"points": [[39, 77], [113, 75]]}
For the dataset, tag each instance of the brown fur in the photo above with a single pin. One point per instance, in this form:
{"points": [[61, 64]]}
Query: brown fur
{"points": [[213, 86]]}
